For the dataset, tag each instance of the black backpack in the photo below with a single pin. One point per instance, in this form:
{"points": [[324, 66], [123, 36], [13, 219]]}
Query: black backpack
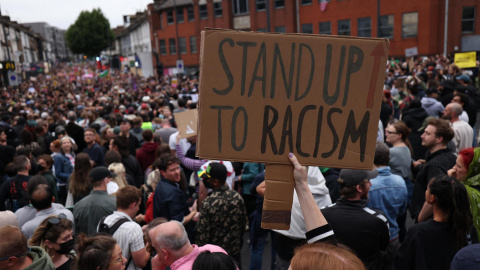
{"points": [[105, 229]]}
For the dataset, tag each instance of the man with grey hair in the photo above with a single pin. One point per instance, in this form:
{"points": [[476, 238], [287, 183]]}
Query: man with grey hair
{"points": [[388, 194], [173, 247], [75, 131], [463, 131]]}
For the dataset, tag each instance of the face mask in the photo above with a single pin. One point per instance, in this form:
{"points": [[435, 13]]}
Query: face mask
{"points": [[66, 247], [112, 187]]}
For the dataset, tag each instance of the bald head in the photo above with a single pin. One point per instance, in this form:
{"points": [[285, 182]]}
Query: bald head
{"points": [[42, 197], [170, 235], [455, 108]]}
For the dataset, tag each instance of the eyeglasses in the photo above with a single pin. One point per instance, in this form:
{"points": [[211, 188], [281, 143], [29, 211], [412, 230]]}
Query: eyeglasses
{"points": [[56, 220], [391, 132], [18, 255], [120, 260]]}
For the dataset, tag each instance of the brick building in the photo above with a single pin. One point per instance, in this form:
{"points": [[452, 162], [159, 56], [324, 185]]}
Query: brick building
{"points": [[176, 24]]}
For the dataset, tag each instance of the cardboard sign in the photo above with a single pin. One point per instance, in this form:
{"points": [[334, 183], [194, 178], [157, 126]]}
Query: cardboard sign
{"points": [[411, 52], [265, 95], [400, 83], [187, 123], [466, 60]]}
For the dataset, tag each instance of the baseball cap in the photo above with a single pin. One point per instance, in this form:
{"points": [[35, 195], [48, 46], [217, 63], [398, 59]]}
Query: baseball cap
{"points": [[214, 170], [355, 177], [463, 77], [99, 173]]}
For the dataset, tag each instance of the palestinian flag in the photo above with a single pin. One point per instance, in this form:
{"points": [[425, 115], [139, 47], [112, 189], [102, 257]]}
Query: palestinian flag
{"points": [[103, 74]]}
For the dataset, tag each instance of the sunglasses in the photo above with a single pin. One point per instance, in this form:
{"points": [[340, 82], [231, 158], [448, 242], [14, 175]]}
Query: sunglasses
{"points": [[56, 220], [18, 255]]}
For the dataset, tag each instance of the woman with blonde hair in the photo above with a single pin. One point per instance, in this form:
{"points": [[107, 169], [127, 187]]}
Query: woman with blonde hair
{"points": [[64, 163], [120, 180], [78, 183], [55, 236]]}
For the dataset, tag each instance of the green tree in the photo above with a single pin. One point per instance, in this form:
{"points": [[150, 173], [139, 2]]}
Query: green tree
{"points": [[90, 34]]}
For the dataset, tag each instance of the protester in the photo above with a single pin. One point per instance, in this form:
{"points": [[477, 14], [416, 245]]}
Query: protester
{"points": [[14, 190], [79, 185], [432, 244], [64, 164], [467, 171], [15, 253], [55, 236], [100, 252], [44, 167]]}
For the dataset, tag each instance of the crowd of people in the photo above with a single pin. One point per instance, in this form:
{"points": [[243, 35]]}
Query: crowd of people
{"points": [[95, 175]]}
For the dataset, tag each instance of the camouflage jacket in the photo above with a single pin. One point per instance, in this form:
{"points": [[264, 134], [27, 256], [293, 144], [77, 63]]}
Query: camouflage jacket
{"points": [[223, 220]]}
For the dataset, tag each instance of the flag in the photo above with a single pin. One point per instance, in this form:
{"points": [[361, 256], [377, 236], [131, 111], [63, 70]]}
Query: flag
{"points": [[103, 74], [138, 62], [323, 5]]}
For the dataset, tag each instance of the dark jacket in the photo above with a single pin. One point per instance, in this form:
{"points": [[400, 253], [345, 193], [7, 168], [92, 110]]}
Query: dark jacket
{"points": [[362, 229], [436, 165]]}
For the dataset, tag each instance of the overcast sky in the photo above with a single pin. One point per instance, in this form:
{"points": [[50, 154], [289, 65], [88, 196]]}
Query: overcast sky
{"points": [[63, 13]]}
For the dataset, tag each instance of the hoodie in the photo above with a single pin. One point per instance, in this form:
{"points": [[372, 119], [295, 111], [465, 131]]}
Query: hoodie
{"points": [[414, 118], [146, 154], [432, 106], [41, 260]]}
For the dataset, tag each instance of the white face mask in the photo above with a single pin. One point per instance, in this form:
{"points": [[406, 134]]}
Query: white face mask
{"points": [[112, 187]]}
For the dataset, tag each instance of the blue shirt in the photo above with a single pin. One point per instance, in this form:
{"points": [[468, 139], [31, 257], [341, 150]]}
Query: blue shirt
{"points": [[388, 194], [96, 154]]}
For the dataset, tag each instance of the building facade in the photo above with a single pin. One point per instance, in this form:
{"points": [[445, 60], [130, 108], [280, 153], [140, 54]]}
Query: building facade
{"points": [[175, 25], [134, 44]]}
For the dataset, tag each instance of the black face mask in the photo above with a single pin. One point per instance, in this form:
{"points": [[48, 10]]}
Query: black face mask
{"points": [[66, 247], [40, 168], [207, 184]]}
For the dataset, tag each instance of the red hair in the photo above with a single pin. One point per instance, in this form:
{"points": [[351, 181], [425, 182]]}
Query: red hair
{"points": [[467, 156]]}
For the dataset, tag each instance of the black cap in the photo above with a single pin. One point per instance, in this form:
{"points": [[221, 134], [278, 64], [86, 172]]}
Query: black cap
{"points": [[355, 177], [215, 171], [99, 173]]}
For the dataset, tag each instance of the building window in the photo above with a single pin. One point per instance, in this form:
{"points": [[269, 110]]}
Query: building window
{"points": [[306, 2], [386, 26], [325, 28], [307, 28], [261, 5], [409, 24], [364, 27], [217, 9], [182, 44], [240, 7], [161, 20], [180, 17], [264, 30], [344, 27], [173, 46], [279, 3], [280, 29], [468, 20], [190, 14], [203, 12], [169, 16], [163, 47], [193, 44]]}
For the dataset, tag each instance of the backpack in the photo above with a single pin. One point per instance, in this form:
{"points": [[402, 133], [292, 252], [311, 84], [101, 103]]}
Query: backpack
{"points": [[105, 229]]}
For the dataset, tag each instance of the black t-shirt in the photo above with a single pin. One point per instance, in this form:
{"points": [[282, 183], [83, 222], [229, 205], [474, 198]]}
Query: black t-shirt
{"points": [[428, 245], [66, 265]]}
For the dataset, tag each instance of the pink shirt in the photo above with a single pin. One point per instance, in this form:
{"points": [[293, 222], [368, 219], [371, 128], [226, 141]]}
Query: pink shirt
{"points": [[186, 262]]}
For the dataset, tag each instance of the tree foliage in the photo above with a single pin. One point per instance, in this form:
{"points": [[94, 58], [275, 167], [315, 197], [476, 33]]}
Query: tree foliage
{"points": [[90, 34]]}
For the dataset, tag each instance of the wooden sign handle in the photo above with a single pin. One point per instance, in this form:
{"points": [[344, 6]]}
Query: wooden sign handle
{"points": [[277, 204]]}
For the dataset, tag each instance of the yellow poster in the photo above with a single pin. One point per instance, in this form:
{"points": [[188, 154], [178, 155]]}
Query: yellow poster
{"points": [[466, 60]]}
